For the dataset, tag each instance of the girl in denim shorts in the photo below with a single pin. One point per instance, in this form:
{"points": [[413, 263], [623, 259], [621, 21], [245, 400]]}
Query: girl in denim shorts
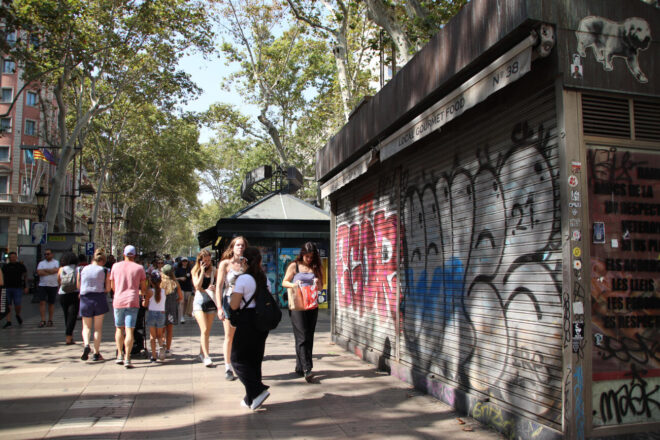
{"points": [[155, 303]]}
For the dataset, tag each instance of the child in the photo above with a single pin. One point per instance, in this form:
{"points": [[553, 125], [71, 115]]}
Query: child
{"points": [[155, 302]]}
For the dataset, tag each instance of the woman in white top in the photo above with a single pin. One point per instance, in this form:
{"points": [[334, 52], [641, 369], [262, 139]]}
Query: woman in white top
{"points": [[247, 353], [155, 302], [231, 266], [94, 285]]}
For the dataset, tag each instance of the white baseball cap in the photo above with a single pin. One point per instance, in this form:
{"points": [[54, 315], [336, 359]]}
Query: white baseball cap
{"points": [[129, 250]]}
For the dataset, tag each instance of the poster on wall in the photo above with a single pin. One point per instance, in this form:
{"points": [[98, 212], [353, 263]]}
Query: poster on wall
{"points": [[284, 258], [269, 264], [624, 214]]}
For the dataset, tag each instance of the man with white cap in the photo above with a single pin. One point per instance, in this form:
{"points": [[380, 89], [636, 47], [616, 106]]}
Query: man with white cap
{"points": [[127, 280]]}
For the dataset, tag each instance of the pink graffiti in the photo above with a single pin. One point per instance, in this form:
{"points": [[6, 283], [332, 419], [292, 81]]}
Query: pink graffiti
{"points": [[366, 262]]}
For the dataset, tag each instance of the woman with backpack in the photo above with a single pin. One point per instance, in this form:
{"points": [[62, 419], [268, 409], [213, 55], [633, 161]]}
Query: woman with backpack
{"points": [[305, 271], [94, 285], [247, 351], [68, 293]]}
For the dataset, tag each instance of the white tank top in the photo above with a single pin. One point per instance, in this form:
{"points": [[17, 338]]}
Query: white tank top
{"points": [[157, 306]]}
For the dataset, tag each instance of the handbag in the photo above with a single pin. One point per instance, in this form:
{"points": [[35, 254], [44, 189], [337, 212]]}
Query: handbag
{"points": [[295, 298], [209, 306]]}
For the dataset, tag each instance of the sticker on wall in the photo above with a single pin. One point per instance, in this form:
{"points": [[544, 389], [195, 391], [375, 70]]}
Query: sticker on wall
{"points": [[615, 243], [572, 181], [575, 195], [574, 222], [608, 39], [626, 235], [575, 165], [576, 67], [574, 205], [576, 235], [598, 339], [575, 212], [576, 346], [599, 232], [577, 252], [578, 308], [578, 331], [577, 264]]}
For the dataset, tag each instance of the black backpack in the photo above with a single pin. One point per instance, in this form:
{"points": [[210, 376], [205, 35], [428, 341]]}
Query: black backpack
{"points": [[269, 314]]}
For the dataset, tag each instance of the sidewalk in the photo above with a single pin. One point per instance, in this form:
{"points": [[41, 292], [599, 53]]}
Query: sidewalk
{"points": [[48, 392]]}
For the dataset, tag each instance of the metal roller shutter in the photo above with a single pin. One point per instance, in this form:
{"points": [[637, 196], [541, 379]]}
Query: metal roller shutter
{"points": [[481, 257], [365, 262]]}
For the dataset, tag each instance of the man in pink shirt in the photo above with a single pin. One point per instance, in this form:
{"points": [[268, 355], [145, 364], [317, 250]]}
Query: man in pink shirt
{"points": [[127, 280]]}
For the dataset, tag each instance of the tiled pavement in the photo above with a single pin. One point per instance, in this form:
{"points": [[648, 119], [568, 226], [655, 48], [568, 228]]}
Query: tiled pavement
{"points": [[46, 391]]}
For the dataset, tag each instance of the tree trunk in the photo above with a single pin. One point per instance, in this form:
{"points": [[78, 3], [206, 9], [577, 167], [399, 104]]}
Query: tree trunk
{"points": [[385, 18], [340, 52], [274, 134]]}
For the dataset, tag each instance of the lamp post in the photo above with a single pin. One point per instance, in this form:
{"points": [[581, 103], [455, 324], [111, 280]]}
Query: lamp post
{"points": [[41, 201], [90, 228]]}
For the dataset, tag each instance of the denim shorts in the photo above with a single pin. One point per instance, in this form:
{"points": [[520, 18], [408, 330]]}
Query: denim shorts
{"points": [[93, 304], [155, 319], [14, 295], [199, 299], [126, 317]]}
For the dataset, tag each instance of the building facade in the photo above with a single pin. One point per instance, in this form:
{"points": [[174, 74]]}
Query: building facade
{"points": [[494, 219]]}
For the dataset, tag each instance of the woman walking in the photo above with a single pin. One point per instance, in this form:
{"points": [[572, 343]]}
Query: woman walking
{"points": [[68, 293], [306, 270], [94, 285], [231, 266], [173, 297], [247, 353], [204, 308]]}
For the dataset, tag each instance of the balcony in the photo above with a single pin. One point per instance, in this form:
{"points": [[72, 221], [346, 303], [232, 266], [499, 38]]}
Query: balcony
{"points": [[25, 198], [5, 197]]}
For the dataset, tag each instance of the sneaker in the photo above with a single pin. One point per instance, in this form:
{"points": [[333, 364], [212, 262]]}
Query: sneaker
{"points": [[309, 377], [229, 375], [19, 319], [256, 403], [244, 405], [208, 362], [183, 321], [152, 360], [168, 352], [201, 357], [128, 364], [161, 353], [7, 324], [97, 357], [119, 360], [85, 354]]}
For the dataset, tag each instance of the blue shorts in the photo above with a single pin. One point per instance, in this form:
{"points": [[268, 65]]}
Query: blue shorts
{"points": [[126, 317], [93, 304], [14, 295], [155, 319]]}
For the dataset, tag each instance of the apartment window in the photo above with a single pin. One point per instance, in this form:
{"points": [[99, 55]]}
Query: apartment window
{"points": [[11, 38], [4, 185], [32, 99], [8, 66], [4, 153], [30, 127], [23, 226], [5, 125], [7, 94]]}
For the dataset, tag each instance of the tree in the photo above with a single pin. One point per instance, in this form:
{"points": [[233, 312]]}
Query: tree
{"points": [[345, 23], [91, 53]]}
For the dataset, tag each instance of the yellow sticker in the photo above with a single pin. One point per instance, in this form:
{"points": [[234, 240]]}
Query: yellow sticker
{"points": [[577, 252]]}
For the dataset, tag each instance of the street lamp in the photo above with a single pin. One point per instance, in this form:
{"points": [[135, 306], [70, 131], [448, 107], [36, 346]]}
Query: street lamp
{"points": [[41, 201], [90, 228]]}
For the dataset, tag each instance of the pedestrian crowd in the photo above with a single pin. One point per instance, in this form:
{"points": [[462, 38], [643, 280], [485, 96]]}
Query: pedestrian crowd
{"points": [[151, 299]]}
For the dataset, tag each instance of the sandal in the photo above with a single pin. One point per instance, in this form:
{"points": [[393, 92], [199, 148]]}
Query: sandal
{"points": [[42, 324], [50, 324]]}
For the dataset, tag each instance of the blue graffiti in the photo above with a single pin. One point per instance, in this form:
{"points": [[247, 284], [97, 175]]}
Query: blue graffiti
{"points": [[579, 402], [422, 299]]}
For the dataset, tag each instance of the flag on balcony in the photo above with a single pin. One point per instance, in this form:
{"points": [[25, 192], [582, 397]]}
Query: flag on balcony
{"points": [[38, 155], [49, 157]]}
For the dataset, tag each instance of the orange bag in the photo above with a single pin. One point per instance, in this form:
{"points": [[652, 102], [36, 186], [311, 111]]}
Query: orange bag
{"points": [[310, 297]]}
